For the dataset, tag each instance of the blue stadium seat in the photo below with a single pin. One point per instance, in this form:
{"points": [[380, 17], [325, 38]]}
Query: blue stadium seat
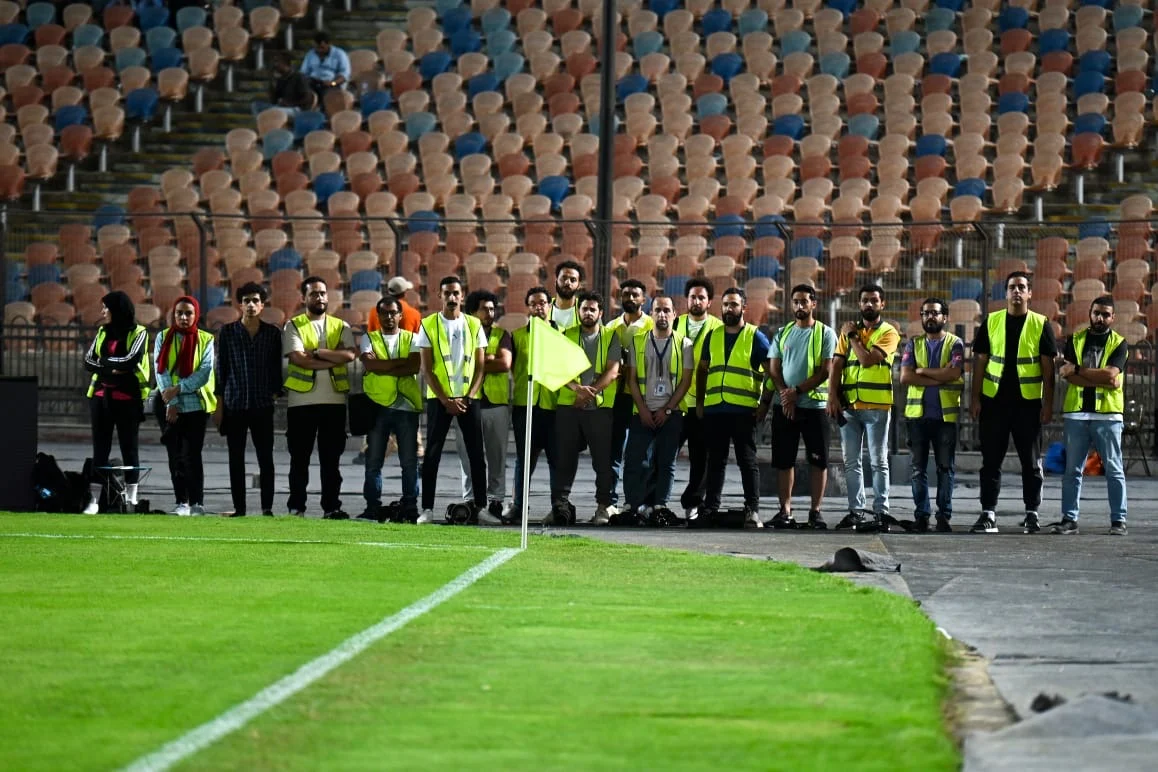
{"points": [[753, 20], [593, 123], [1012, 102], [71, 115], [1012, 17], [191, 16], [374, 101], [716, 20], [945, 64], [495, 19], [43, 274], [1095, 61], [649, 42], [327, 184], [39, 14], [846, 7], [466, 41], [141, 104], [1094, 226], [764, 267], [1053, 40], [432, 64], [1090, 123], [904, 42], [970, 186], [809, 246], [794, 42], [729, 225], [276, 141], [966, 289], [997, 291], [711, 104], [13, 33], [160, 37], [17, 288], [365, 280], [286, 257], [468, 144], [555, 188], [130, 57], [864, 125], [930, 144], [662, 8], [443, 7], [508, 64], [956, 6], [727, 66], [1107, 4], [769, 225], [789, 126], [456, 19], [164, 58], [1088, 82], [673, 286], [108, 214], [307, 121], [87, 35], [151, 17], [1125, 17], [628, 85], [501, 42], [419, 124], [215, 297], [939, 19], [484, 81], [424, 222], [836, 64]]}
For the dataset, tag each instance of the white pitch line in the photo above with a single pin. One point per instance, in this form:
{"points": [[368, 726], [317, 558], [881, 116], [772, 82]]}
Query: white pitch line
{"points": [[238, 540], [236, 717]]}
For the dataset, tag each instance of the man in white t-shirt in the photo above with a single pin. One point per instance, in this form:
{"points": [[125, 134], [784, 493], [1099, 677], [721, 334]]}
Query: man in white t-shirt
{"points": [[453, 348], [319, 348], [565, 307]]}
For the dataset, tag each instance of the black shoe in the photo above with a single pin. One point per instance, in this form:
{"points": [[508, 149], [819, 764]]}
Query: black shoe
{"points": [[783, 521], [851, 520], [233, 514], [562, 515], [921, 523], [878, 524], [373, 513], [1030, 523], [495, 508], [337, 514], [701, 518], [1118, 528], [1066, 527], [267, 513], [943, 525], [815, 521], [985, 524]]}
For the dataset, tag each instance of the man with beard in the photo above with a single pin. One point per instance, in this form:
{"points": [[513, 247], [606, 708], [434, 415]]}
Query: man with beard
{"points": [[860, 391], [801, 358], [1013, 380], [932, 407], [1095, 367], [495, 401], [659, 376], [452, 347], [695, 325], [313, 342], [568, 278], [627, 325], [728, 397], [584, 415], [542, 438]]}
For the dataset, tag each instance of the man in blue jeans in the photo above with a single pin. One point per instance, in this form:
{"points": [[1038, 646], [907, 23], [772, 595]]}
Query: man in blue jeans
{"points": [[860, 393], [931, 367], [1095, 366], [392, 361]]}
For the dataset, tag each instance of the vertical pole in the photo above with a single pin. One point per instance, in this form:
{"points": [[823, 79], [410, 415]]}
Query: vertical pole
{"points": [[527, 458], [602, 257]]}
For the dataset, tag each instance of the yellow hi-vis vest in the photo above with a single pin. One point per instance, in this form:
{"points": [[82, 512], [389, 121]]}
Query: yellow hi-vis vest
{"points": [[144, 369], [1108, 400], [733, 381], [384, 389], [496, 386], [1028, 360], [646, 324], [301, 379], [540, 397], [605, 398], [205, 393], [681, 326], [436, 334], [869, 384], [815, 346], [675, 362], [950, 392]]}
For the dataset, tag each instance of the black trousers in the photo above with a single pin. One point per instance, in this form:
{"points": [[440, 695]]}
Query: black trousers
{"points": [[124, 417], [184, 441], [470, 426], [543, 440], [258, 423], [305, 425], [693, 433], [737, 430], [622, 413], [998, 422]]}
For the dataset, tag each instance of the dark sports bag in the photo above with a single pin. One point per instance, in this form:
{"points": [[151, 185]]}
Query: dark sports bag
{"points": [[55, 489]]}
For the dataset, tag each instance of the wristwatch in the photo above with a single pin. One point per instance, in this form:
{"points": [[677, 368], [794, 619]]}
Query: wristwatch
{"points": [[667, 411]]}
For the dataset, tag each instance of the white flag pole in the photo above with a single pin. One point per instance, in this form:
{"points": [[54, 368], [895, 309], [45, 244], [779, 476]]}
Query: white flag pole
{"points": [[527, 461]]}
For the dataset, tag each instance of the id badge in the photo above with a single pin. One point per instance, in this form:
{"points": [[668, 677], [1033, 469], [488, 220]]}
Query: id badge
{"points": [[660, 389]]}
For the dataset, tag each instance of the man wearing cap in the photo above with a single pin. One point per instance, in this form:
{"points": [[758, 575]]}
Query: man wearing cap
{"points": [[410, 320]]}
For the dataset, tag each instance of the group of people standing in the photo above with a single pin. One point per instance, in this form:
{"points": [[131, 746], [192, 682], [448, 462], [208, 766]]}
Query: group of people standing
{"points": [[657, 381]]}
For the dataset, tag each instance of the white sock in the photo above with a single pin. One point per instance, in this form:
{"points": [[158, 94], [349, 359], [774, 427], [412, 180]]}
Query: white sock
{"points": [[131, 493], [94, 490]]}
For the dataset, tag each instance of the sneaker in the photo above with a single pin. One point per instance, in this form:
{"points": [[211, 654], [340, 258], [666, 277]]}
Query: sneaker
{"points": [[1030, 523], [878, 524], [752, 517], [267, 513], [93, 508], [495, 508], [197, 510], [233, 513], [851, 520], [602, 516], [488, 517], [987, 523], [782, 521], [297, 513], [1117, 529], [1067, 527], [921, 522], [374, 514], [426, 517], [943, 525], [691, 513], [815, 521], [182, 510], [335, 514]]}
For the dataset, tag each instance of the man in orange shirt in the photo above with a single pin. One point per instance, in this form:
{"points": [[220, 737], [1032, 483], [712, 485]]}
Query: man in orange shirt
{"points": [[411, 318]]}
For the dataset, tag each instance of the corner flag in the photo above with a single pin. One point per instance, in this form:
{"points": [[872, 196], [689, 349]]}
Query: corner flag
{"points": [[555, 360]]}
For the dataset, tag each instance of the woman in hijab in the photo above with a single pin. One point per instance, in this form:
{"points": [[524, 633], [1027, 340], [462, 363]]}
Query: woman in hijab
{"points": [[184, 358], [120, 380]]}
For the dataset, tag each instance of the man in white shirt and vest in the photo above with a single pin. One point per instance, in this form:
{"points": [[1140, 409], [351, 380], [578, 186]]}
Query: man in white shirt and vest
{"points": [[565, 307], [931, 367], [319, 348], [1012, 394], [1095, 369], [453, 347], [695, 325], [632, 296], [391, 361]]}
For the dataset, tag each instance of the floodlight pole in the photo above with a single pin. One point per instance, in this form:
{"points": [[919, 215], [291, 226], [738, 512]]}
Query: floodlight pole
{"points": [[601, 279]]}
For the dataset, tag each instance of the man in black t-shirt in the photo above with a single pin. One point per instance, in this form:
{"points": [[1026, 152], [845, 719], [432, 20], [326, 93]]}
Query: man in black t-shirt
{"points": [[1012, 391]]}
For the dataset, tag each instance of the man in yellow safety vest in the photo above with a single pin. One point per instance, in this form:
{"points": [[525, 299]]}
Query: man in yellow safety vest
{"points": [[695, 325]]}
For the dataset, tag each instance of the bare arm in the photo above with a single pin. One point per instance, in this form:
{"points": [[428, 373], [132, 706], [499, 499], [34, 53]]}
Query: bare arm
{"points": [[866, 357], [980, 364], [499, 362], [910, 377], [476, 382], [1048, 379], [307, 361], [681, 390], [399, 367], [633, 389], [819, 376], [776, 373], [337, 356], [607, 376], [701, 384], [940, 374]]}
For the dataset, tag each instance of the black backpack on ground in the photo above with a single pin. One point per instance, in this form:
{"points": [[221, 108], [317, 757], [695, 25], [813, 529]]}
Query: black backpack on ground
{"points": [[57, 490]]}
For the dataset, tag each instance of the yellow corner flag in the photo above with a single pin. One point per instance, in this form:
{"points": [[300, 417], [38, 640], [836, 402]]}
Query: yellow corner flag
{"points": [[555, 360]]}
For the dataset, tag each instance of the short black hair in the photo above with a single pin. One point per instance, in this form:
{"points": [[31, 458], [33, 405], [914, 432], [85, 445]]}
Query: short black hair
{"points": [[807, 289], [633, 284], [1016, 275], [691, 284], [387, 300], [321, 37], [313, 280], [448, 280], [736, 291], [536, 291], [577, 267], [477, 298], [252, 288], [929, 301], [1102, 300], [869, 289], [590, 297]]}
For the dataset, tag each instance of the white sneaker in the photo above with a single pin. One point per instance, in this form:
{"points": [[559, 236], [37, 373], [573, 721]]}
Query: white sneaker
{"points": [[426, 518], [93, 507], [197, 510], [753, 518], [486, 518], [602, 516], [182, 510]]}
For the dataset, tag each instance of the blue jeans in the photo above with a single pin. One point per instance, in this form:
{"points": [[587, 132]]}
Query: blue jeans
{"points": [[873, 424], [942, 437], [663, 445], [404, 426], [1106, 438]]}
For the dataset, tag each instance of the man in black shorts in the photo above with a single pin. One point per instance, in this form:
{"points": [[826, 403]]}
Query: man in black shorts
{"points": [[801, 356]]}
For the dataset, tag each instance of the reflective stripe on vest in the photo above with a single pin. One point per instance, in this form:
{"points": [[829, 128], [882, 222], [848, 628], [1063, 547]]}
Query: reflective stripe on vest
{"points": [[681, 326], [144, 369], [950, 392], [815, 346], [1028, 360], [1109, 400], [496, 386], [540, 396], [440, 354], [605, 398], [205, 393], [301, 379], [675, 363], [384, 389], [732, 381], [873, 384]]}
